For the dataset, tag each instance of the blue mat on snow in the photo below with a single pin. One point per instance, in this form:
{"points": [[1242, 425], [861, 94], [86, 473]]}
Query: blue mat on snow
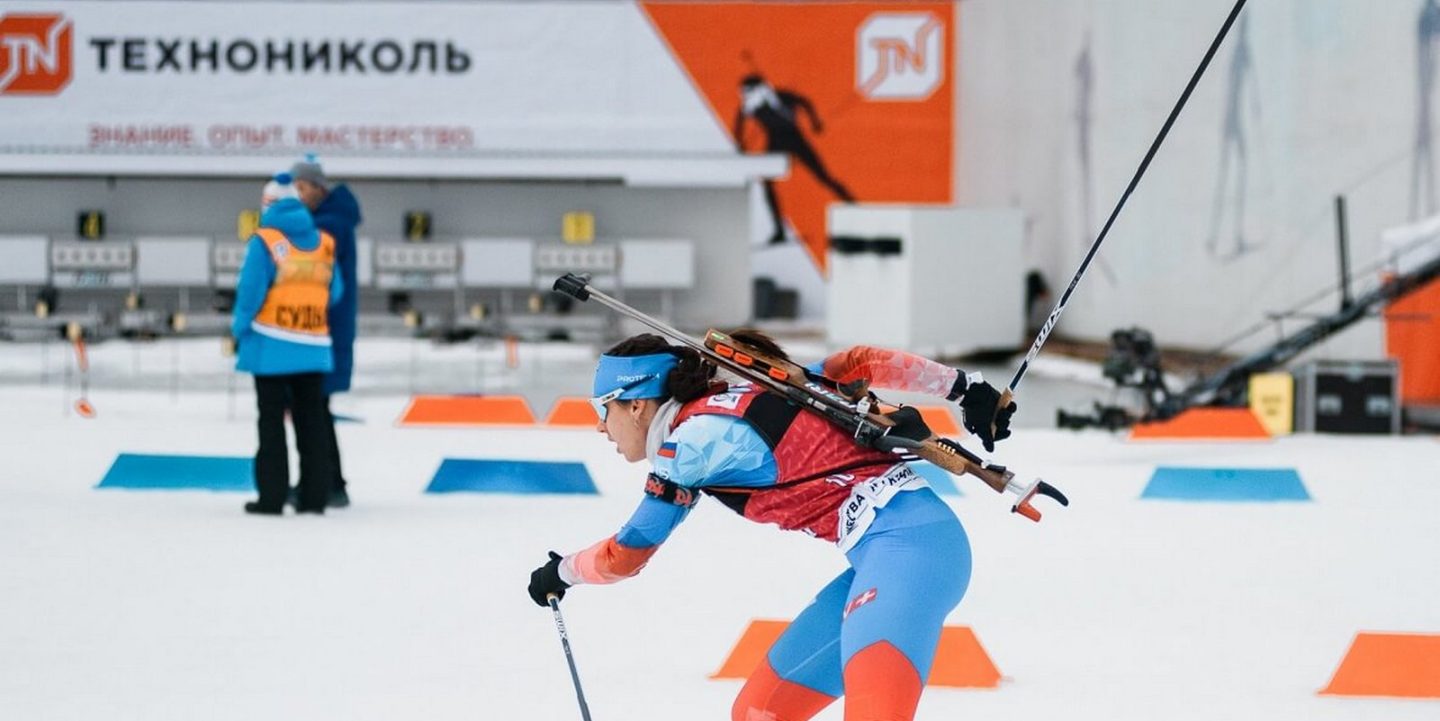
{"points": [[205, 473], [463, 475], [1226, 484]]}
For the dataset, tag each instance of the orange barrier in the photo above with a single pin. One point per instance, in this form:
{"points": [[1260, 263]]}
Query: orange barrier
{"points": [[572, 412], [940, 420], [960, 660], [1389, 664], [1201, 424], [1412, 331], [759, 636], [467, 411]]}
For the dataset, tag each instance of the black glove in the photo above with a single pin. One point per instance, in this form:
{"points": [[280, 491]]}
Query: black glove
{"points": [[545, 580], [980, 406]]}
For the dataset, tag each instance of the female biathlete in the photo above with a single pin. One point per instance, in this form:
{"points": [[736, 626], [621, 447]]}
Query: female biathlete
{"points": [[870, 634]]}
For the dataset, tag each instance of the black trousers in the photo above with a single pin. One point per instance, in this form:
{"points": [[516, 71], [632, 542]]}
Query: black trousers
{"points": [[302, 393], [339, 482]]}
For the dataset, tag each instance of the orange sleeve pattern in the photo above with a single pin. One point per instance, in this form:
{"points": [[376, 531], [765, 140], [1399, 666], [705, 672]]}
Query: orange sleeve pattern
{"points": [[605, 562], [891, 370]]}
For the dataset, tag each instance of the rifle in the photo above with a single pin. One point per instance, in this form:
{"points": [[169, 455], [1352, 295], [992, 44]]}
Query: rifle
{"points": [[851, 408]]}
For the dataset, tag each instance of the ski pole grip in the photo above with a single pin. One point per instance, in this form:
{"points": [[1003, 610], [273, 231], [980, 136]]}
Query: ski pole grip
{"points": [[1026, 510], [573, 285], [1005, 399]]}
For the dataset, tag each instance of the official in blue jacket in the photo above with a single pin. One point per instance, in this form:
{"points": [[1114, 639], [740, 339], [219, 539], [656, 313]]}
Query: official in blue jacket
{"points": [[283, 297], [337, 212]]}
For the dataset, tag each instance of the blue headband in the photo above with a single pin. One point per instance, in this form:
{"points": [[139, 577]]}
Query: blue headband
{"points": [[647, 373]]}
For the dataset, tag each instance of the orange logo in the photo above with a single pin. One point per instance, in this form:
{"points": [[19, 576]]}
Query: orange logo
{"points": [[34, 53]]}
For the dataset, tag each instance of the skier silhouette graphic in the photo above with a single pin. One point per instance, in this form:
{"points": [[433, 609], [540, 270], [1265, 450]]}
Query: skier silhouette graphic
{"points": [[1232, 143], [777, 110], [1422, 168], [1084, 94]]}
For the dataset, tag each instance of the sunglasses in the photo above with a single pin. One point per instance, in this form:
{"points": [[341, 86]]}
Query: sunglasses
{"points": [[601, 403]]}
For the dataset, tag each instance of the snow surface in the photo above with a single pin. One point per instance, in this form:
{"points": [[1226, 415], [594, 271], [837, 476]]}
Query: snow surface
{"points": [[175, 605]]}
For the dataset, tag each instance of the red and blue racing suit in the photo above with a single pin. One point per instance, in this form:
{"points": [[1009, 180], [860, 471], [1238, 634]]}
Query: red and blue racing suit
{"points": [[870, 634]]}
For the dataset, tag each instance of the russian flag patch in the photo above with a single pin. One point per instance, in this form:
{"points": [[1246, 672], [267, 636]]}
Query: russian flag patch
{"points": [[667, 450]]}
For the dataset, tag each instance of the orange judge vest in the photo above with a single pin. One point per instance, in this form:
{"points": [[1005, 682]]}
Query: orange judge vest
{"points": [[295, 307]]}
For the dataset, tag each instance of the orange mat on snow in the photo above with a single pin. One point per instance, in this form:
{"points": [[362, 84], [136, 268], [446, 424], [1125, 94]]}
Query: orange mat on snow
{"points": [[467, 411], [1404, 665], [940, 420], [572, 412], [960, 660], [1231, 424]]}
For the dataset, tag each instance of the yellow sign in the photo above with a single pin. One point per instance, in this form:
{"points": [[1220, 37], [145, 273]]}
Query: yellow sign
{"points": [[1272, 400], [578, 227], [247, 223], [417, 225], [91, 225]]}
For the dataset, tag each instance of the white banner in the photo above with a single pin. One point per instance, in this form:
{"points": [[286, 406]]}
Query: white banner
{"points": [[83, 81]]}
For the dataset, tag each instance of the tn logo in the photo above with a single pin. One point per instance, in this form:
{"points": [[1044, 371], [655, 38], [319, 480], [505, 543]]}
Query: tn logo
{"points": [[899, 56], [34, 53]]}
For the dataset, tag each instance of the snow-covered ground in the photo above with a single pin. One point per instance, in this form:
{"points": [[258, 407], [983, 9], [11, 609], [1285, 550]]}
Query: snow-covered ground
{"points": [[175, 605]]}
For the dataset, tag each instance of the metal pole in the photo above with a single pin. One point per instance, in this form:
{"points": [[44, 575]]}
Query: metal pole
{"points": [[1342, 235]]}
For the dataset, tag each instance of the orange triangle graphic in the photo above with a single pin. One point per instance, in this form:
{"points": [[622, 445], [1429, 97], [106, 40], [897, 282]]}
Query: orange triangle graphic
{"points": [[877, 150]]}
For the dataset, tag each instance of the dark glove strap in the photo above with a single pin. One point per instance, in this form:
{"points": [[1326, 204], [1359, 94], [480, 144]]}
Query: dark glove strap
{"points": [[958, 389], [670, 491]]}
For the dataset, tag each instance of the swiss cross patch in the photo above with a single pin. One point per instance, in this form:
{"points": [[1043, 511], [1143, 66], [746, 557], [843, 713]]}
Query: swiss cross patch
{"points": [[860, 600]]}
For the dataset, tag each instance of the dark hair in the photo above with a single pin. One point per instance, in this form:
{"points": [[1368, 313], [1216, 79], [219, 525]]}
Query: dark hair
{"points": [[694, 376], [689, 380], [761, 341]]}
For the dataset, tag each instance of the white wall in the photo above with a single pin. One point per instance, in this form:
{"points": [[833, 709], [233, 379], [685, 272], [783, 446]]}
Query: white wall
{"points": [[1328, 106], [714, 218]]}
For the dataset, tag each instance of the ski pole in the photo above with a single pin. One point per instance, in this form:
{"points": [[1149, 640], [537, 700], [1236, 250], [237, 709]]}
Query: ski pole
{"points": [[569, 657], [1134, 181]]}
